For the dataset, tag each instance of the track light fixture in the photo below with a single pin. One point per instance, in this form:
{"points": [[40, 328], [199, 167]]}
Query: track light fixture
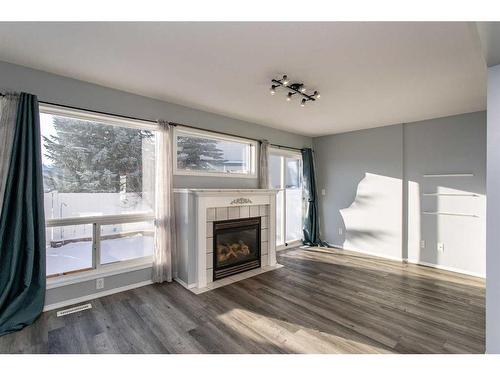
{"points": [[294, 88]]}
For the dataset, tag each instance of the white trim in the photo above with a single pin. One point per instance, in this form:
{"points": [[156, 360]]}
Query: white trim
{"points": [[450, 175], [185, 285], [447, 214], [231, 193], [378, 255], [89, 297], [105, 270], [291, 245], [185, 172], [100, 219], [285, 154], [446, 268], [414, 261], [252, 157], [449, 195], [97, 117]]}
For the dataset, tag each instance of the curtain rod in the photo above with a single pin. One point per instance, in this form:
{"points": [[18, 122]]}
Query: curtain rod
{"points": [[172, 123]]}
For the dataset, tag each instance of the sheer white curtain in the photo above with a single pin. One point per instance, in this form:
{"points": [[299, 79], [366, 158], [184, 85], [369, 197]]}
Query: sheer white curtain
{"points": [[8, 112], [165, 237], [264, 165]]}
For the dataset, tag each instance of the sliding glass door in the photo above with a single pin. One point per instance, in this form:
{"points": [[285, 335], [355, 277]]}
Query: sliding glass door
{"points": [[286, 175]]}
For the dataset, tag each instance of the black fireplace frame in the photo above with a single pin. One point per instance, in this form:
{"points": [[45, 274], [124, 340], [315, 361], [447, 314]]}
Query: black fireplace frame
{"points": [[241, 266]]}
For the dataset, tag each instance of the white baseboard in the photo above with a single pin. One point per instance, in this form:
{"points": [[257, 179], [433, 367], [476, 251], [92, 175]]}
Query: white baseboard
{"points": [[446, 268], [291, 245], [390, 257], [414, 261], [185, 285], [73, 301]]}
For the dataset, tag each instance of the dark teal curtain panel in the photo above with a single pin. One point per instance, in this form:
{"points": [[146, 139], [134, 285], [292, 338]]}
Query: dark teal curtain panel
{"points": [[311, 223], [22, 225]]}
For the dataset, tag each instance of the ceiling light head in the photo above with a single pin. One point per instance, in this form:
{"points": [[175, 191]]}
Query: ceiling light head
{"points": [[303, 89], [303, 103], [317, 95], [285, 80], [289, 97], [272, 91]]}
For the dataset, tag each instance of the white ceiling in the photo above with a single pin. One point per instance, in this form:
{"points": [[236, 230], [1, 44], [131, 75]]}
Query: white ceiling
{"points": [[369, 74]]}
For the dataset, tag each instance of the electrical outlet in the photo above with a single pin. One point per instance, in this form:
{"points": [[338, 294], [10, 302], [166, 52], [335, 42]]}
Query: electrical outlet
{"points": [[341, 231], [440, 247], [422, 244], [99, 283]]}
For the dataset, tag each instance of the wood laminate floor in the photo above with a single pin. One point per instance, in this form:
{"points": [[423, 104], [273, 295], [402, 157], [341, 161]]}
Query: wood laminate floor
{"points": [[322, 301]]}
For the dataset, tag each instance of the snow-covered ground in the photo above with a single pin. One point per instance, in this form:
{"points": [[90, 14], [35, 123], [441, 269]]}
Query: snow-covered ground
{"points": [[78, 255]]}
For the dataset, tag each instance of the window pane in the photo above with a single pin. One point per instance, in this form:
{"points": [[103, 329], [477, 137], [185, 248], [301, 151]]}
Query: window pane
{"points": [[293, 214], [275, 171], [69, 248], [292, 176], [205, 154], [126, 241], [92, 168]]}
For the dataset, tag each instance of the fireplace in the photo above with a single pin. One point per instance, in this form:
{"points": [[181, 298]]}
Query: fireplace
{"points": [[236, 246]]}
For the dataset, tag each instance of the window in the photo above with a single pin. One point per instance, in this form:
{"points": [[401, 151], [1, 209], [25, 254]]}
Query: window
{"points": [[98, 174], [205, 154], [286, 175]]}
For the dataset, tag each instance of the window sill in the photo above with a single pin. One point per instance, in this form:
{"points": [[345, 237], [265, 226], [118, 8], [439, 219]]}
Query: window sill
{"points": [[214, 174], [104, 271]]}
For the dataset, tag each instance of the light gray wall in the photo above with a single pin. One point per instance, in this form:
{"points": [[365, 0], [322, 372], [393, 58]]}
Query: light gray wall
{"points": [[66, 91], [374, 185], [455, 144], [361, 173], [493, 214], [62, 90]]}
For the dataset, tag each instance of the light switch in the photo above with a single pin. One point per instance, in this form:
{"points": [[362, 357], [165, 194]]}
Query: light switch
{"points": [[323, 192]]}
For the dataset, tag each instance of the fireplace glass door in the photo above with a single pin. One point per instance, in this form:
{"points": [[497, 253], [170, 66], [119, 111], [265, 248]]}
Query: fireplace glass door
{"points": [[236, 246]]}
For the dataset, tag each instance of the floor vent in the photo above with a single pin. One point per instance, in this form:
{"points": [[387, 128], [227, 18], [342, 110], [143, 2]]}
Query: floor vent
{"points": [[75, 309]]}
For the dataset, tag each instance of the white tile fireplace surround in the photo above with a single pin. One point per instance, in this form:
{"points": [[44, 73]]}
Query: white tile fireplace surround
{"points": [[197, 210]]}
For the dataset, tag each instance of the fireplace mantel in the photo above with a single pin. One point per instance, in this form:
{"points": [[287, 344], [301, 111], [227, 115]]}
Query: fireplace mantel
{"points": [[196, 209]]}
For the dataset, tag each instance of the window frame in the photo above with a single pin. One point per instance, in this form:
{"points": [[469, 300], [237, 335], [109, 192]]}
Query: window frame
{"points": [[98, 269], [297, 155], [185, 131]]}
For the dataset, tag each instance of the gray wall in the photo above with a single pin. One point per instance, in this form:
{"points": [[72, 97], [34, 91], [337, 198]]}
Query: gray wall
{"points": [[361, 173], [454, 144], [493, 212], [71, 92], [374, 191], [62, 90]]}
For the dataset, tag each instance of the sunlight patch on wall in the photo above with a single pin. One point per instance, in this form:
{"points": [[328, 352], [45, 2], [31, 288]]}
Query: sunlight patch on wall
{"points": [[373, 222]]}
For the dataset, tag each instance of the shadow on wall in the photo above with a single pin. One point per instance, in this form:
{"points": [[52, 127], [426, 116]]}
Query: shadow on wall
{"points": [[373, 221]]}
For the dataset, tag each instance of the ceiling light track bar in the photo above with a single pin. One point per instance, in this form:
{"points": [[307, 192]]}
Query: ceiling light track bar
{"points": [[295, 88]]}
